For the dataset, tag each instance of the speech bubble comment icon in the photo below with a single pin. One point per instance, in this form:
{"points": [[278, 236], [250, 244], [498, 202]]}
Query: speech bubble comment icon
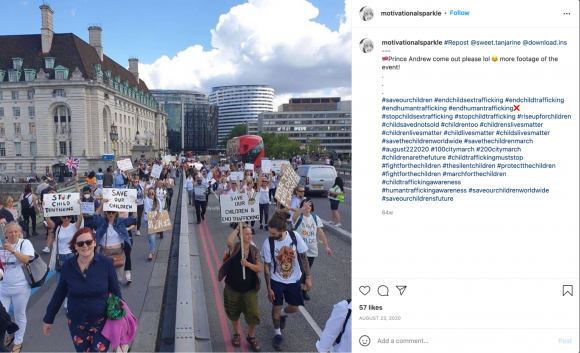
{"points": [[383, 291]]}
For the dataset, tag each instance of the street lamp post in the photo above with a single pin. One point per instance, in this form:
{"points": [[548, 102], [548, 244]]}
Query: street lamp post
{"points": [[61, 171], [114, 137], [307, 149]]}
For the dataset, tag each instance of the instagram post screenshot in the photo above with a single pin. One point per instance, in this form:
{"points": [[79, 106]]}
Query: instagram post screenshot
{"points": [[289, 175], [471, 210]]}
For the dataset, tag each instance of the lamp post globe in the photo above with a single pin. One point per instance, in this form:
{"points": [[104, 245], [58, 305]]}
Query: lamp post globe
{"points": [[114, 138]]}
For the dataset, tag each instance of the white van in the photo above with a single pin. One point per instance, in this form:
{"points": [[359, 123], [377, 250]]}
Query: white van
{"points": [[316, 178]]}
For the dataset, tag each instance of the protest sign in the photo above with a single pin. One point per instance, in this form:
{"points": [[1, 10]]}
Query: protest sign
{"points": [[266, 166], [61, 204], [236, 208], [236, 176], [224, 168], [199, 191], [286, 186], [196, 165], [167, 159], [125, 164], [249, 166], [156, 225], [88, 208], [120, 200], [156, 171], [173, 159]]}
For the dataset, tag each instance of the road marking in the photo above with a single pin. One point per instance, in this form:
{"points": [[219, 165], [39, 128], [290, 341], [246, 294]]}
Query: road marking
{"points": [[338, 229], [310, 321]]}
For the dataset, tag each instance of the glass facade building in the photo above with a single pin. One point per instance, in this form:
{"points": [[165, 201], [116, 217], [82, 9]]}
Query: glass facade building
{"points": [[191, 120], [238, 104]]}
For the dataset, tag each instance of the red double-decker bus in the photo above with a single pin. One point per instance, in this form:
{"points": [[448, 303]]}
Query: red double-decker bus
{"points": [[246, 149]]}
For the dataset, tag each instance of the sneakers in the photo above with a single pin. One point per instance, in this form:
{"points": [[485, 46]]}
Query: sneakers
{"points": [[138, 233], [46, 249], [128, 277], [305, 295], [278, 339], [261, 226], [331, 223], [283, 321], [337, 224]]}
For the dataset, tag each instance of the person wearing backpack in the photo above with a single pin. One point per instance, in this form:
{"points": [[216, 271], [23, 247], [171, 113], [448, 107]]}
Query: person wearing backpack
{"points": [[308, 225], [338, 329], [28, 205], [284, 258]]}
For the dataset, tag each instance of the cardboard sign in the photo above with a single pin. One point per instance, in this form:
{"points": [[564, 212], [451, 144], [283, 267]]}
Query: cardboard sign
{"points": [[286, 186], [158, 225], [239, 208], [266, 166], [125, 164], [61, 204], [88, 208], [156, 171], [120, 200], [249, 166]]}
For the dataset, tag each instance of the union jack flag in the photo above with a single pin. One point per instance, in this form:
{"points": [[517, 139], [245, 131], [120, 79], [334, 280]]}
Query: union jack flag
{"points": [[72, 163]]}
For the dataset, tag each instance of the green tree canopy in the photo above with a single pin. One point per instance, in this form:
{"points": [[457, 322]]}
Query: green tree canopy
{"points": [[278, 145], [237, 131]]}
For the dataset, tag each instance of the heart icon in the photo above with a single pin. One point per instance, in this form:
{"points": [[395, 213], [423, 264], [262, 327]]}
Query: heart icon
{"points": [[364, 289]]}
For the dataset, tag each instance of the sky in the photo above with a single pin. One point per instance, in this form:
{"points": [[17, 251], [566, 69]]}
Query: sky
{"points": [[302, 48]]}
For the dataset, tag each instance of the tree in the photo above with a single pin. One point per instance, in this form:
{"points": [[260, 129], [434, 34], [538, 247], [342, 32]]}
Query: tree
{"points": [[237, 131], [278, 145], [314, 145]]}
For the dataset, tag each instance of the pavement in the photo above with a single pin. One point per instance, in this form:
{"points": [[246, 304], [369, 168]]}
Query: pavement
{"points": [[144, 296], [331, 278]]}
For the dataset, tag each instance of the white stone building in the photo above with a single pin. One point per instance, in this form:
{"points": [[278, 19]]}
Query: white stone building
{"points": [[59, 96]]}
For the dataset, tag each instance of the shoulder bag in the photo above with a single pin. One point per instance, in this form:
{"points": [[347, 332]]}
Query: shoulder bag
{"points": [[35, 271], [118, 260]]}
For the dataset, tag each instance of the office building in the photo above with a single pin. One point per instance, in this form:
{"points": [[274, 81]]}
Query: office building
{"points": [[306, 119], [237, 104], [59, 96], [192, 122]]}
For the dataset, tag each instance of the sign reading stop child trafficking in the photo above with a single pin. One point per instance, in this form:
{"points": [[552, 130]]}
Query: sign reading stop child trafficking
{"points": [[120, 200], [286, 186], [239, 208], [61, 204]]}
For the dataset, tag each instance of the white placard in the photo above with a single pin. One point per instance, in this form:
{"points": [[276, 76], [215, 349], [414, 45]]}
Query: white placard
{"points": [[125, 164], [156, 171], [249, 166], [167, 159], [238, 208], [61, 204], [266, 166], [120, 200], [88, 208], [199, 191], [236, 176], [173, 159], [196, 165]]}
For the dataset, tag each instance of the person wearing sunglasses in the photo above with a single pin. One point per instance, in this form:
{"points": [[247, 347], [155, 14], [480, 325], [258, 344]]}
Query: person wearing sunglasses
{"points": [[112, 234], [64, 232], [15, 289], [87, 279], [152, 204]]}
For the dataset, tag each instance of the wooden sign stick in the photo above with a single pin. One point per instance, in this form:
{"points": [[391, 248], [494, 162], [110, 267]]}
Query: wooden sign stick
{"points": [[242, 247]]}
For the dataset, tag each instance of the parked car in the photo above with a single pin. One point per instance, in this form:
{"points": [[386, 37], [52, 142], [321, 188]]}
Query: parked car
{"points": [[316, 178]]}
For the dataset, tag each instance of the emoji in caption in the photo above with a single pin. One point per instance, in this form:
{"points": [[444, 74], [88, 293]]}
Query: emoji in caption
{"points": [[364, 340], [494, 58]]}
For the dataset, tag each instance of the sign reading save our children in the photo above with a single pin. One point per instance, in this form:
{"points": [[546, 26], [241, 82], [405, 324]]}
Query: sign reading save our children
{"points": [[120, 200], [239, 208], [61, 204]]}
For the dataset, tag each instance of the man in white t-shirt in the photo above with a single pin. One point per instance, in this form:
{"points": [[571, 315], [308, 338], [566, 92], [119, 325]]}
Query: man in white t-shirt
{"points": [[283, 273]]}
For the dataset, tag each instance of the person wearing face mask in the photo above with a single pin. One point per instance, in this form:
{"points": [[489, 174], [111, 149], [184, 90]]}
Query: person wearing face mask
{"points": [[64, 232], [87, 196], [241, 295]]}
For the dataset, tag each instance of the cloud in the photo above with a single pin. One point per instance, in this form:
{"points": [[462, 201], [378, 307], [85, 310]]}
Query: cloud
{"points": [[73, 12], [273, 42], [23, 3]]}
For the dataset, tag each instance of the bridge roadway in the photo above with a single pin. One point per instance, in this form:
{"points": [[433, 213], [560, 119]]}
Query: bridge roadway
{"points": [[199, 306]]}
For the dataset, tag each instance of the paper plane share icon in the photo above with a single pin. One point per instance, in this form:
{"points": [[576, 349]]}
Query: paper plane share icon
{"points": [[401, 289]]}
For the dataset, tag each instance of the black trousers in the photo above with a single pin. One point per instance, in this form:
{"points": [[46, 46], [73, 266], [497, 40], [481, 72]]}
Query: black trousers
{"points": [[127, 250], [140, 209], [200, 209], [30, 212], [170, 195], [264, 213]]}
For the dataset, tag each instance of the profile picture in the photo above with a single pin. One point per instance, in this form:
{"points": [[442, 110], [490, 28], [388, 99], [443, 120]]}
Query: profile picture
{"points": [[366, 13], [366, 45]]}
